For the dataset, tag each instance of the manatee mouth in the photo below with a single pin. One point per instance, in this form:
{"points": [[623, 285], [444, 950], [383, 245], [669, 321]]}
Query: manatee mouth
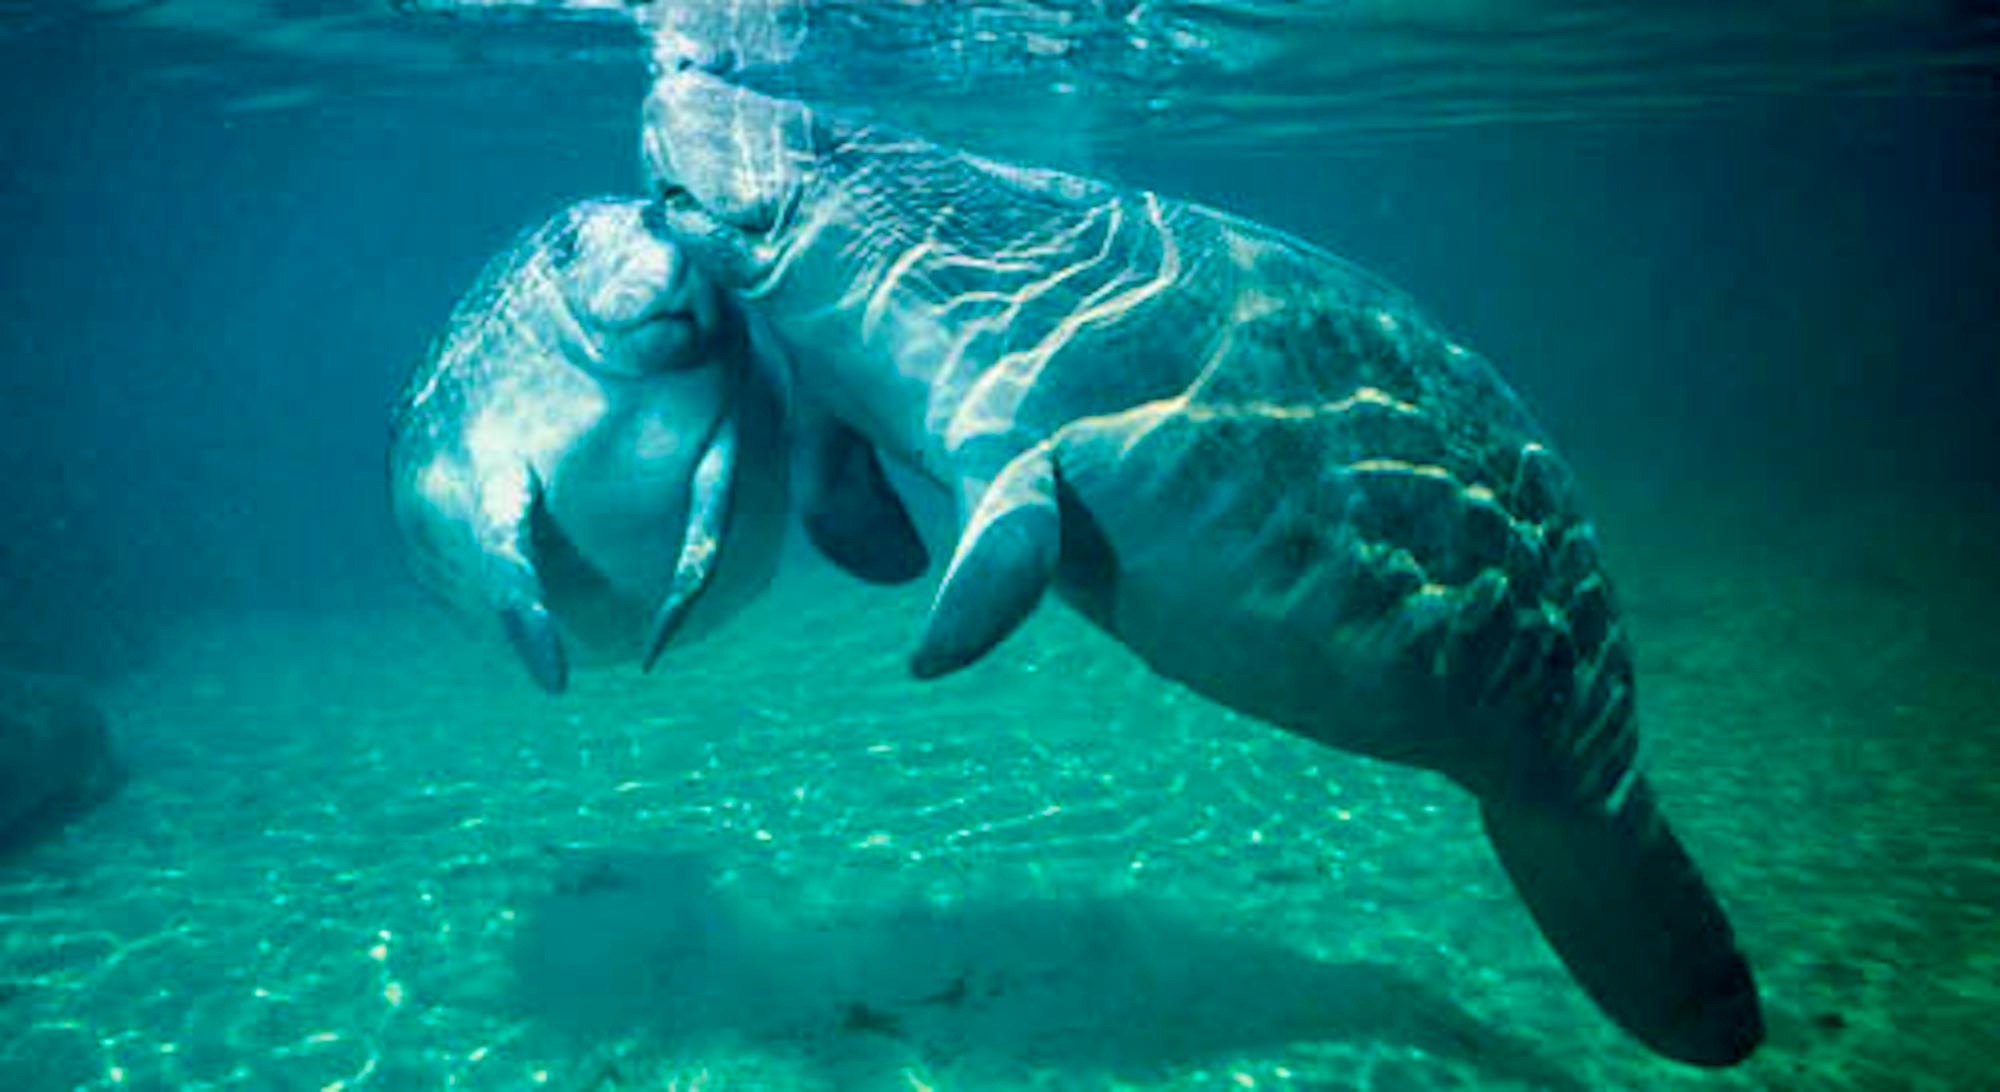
{"points": [[668, 341], [632, 307], [675, 201], [680, 321], [665, 334], [675, 208], [673, 197], [668, 198]]}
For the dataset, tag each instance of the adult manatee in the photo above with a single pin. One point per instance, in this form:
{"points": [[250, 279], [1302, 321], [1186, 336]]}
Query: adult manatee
{"points": [[1255, 465]]}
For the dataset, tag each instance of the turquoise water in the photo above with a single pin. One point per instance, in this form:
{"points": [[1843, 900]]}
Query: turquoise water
{"points": [[1741, 267], [366, 854]]}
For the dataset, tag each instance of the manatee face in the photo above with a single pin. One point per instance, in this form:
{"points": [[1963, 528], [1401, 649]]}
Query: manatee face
{"points": [[565, 457], [643, 307], [731, 168]]}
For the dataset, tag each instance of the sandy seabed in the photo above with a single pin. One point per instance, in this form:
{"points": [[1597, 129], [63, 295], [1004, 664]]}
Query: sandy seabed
{"points": [[359, 851]]}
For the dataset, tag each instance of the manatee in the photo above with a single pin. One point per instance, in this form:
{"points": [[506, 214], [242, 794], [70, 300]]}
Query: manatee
{"points": [[593, 449], [1258, 467]]}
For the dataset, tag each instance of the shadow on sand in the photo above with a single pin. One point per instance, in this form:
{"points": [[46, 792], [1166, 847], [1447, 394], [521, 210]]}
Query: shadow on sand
{"points": [[655, 944]]}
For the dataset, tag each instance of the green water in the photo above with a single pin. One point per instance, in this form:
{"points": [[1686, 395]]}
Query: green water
{"points": [[364, 853]]}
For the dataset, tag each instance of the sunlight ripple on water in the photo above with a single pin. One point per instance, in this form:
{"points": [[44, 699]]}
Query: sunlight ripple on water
{"points": [[1257, 74]]}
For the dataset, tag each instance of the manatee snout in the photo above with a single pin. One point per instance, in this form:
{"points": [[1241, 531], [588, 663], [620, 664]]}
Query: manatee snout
{"points": [[642, 304], [716, 152]]}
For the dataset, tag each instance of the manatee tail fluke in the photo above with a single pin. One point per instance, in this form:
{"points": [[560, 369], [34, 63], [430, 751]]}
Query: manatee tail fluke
{"points": [[1623, 904]]}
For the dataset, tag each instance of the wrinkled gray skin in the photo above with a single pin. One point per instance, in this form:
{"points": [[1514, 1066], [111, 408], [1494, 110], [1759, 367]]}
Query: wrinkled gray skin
{"points": [[587, 451], [1256, 466]]}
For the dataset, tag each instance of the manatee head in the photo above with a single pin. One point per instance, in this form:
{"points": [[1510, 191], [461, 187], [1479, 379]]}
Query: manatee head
{"points": [[639, 304], [731, 169]]}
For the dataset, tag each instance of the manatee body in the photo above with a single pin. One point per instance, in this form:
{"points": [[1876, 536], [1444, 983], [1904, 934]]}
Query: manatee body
{"points": [[1255, 465], [586, 431], [596, 449]]}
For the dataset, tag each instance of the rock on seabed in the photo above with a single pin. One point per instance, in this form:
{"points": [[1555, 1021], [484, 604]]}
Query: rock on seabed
{"points": [[55, 758]]}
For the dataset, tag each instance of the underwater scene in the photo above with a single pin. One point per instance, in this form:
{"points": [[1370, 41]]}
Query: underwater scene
{"points": [[1378, 546]]}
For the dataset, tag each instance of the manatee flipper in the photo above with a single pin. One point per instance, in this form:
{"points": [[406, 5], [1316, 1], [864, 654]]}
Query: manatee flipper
{"points": [[707, 520], [849, 509], [1005, 559], [511, 535], [1621, 902], [512, 511], [532, 632]]}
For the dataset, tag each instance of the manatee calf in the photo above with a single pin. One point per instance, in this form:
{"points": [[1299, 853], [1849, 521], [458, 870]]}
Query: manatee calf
{"points": [[593, 447], [1258, 467]]}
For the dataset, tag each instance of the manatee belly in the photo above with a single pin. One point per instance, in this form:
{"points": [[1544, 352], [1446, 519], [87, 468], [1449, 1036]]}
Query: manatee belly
{"points": [[619, 509], [606, 551]]}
